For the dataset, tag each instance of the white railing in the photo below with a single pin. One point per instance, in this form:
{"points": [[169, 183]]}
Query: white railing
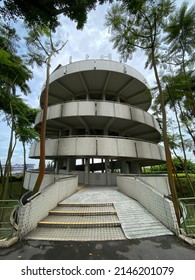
{"points": [[40, 204], [154, 201]]}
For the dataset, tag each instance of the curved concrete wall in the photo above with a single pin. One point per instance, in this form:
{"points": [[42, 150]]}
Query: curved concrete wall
{"points": [[48, 179], [100, 108], [97, 64], [99, 147], [106, 77]]}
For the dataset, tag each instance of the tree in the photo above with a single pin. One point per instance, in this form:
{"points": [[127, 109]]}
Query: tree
{"points": [[46, 12], [25, 131], [140, 24], [180, 36], [41, 50], [13, 75]]}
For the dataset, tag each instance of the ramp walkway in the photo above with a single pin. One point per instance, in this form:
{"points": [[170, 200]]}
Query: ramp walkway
{"points": [[98, 213]]}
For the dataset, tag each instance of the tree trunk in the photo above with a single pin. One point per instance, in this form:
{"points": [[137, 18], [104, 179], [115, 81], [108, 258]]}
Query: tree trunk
{"points": [[43, 130], [166, 142], [184, 164], [7, 170], [24, 155], [191, 133]]}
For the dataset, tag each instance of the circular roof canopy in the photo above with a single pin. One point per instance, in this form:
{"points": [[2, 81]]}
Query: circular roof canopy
{"points": [[97, 78]]}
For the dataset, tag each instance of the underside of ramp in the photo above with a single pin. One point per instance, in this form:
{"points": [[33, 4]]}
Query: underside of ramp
{"points": [[98, 213]]}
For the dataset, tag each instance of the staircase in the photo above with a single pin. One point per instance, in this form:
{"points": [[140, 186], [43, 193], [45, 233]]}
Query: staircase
{"points": [[79, 222]]}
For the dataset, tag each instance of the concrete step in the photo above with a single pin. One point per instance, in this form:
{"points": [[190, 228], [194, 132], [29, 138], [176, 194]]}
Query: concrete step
{"points": [[79, 224], [85, 209], [81, 213], [92, 219], [82, 221], [102, 204], [75, 234]]}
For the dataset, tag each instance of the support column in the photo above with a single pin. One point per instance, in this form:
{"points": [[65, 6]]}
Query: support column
{"points": [[58, 165], [124, 167], [102, 161], [107, 170], [86, 171], [135, 168], [71, 164]]}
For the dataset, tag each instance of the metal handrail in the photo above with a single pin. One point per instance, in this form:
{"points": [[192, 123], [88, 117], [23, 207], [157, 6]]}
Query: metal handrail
{"points": [[187, 208], [7, 222]]}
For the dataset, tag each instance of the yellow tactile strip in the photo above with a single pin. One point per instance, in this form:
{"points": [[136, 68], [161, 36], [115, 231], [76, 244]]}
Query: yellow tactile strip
{"points": [[81, 213], [79, 224]]}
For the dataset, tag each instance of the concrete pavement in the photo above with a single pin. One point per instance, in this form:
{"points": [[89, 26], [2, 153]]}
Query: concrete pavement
{"points": [[153, 248]]}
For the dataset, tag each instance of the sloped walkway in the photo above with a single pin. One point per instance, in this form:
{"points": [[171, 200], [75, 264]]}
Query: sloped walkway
{"points": [[135, 220]]}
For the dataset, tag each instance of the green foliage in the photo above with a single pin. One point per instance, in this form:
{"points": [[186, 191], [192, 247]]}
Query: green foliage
{"points": [[46, 12], [181, 35], [15, 178], [177, 164], [13, 71], [15, 187], [19, 116], [138, 24], [183, 189]]}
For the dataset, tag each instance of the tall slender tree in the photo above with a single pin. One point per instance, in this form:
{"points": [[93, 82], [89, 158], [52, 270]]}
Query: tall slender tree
{"points": [[140, 25], [13, 75], [42, 48]]}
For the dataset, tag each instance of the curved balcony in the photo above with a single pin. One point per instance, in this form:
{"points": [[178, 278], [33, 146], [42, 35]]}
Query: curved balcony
{"points": [[98, 79], [101, 147], [109, 116]]}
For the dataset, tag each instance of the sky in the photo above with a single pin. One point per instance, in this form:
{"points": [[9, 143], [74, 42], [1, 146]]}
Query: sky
{"points": [[94, 41]]}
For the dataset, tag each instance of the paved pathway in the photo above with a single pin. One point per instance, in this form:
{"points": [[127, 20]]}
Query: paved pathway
{"points": [[152, 248], [135, 220]]}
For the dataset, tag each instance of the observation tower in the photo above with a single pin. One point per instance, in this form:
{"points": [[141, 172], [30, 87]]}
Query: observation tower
{"points": [[97, 122]]}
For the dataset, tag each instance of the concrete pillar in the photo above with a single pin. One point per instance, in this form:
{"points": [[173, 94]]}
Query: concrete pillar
{"points": [[124, 167], [86, 171], [92, 163], [135, 168], [103, 170], [71, 164], [59, 164], [107, 170]]}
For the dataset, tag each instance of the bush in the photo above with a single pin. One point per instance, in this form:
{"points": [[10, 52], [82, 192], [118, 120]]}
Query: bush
{"points": [[14, 178], [184, 190]]}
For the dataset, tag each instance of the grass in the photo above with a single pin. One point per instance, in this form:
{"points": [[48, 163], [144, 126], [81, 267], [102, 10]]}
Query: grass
{"points": [[15, 191], [188, 209], [6, 208], [184, 190]]}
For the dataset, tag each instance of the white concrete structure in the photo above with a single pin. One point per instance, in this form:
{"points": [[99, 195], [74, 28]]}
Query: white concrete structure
{"points": [[39, 206], [97, 127], [97, 122]]}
